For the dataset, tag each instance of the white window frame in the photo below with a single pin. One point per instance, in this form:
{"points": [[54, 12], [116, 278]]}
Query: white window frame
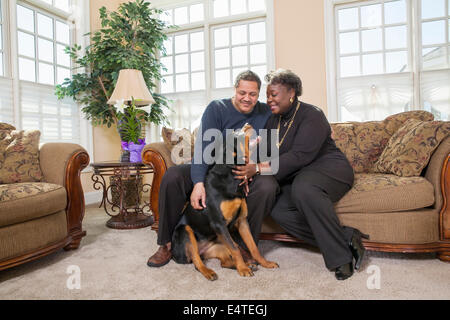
{"points": [[80, 18], [414, 33]]}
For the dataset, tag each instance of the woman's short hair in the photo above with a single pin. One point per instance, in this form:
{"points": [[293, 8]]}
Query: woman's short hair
{"points": [[247, 76], [286, 78]]}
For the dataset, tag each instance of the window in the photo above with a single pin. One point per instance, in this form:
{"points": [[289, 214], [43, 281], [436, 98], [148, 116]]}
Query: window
{"points": [[214, 41], [384, 51], [2, 67], [38, 62]]}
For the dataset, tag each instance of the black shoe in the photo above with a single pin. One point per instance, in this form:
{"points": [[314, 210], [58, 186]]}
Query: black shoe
{"points": [[357, 247], [343, 272]]}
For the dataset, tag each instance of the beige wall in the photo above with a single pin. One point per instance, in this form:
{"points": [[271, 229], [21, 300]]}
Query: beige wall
{"points": [[300, 45]]}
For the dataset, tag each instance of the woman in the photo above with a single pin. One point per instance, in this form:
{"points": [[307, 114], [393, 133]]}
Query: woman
{"points": [[312, 173]]}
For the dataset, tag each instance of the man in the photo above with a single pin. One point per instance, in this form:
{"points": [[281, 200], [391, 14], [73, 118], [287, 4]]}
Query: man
{"points": [[184, 182]]}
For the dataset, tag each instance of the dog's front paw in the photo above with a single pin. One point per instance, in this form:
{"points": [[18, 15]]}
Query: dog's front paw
{"points": [[209, 274], [270, 265], [245, 272]]}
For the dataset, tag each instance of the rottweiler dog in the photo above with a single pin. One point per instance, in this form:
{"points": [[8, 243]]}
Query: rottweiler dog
{"points": [[205, 234]]}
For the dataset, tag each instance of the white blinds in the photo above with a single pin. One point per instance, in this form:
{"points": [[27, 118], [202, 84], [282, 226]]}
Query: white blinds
{"points": [[6, 101], [435, 92], [374, 97], [58, 120]]}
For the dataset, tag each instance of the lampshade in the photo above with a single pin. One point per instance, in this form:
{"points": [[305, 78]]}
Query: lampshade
{"points": [[131, 85]]}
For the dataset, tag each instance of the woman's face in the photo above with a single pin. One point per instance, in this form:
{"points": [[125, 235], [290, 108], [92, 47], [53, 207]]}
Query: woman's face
{"points": [[278, 98]]}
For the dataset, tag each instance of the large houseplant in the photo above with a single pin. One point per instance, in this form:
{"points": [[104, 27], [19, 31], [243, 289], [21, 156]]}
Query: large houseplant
{"points": [[129, 38]]}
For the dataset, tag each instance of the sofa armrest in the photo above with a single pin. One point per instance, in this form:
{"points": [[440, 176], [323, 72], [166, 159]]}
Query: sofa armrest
{"points": [[156, 155], [438, 173], [61, 163]]}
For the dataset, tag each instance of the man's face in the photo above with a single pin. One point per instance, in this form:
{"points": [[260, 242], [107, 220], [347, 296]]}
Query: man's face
{"points": [[246, 96]]}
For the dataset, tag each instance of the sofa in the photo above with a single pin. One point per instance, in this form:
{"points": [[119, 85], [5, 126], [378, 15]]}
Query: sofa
{"points": [[402, 212], [41, 197]]}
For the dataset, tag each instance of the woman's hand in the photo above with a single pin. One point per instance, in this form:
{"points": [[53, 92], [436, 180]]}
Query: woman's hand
{"points": [[198, 196], [245, 172]]}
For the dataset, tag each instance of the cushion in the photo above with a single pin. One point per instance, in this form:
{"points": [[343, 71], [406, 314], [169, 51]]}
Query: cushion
{"points": [[180, 144], [363, 142], [410, 148], [21, 202], [19, 157], [374, 192]]}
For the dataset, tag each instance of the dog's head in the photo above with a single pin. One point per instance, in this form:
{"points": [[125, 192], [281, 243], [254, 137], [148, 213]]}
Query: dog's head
{"points": [[240, 145]]}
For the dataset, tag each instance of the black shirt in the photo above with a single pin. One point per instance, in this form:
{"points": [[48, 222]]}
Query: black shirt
{"points": [[308, 145]]}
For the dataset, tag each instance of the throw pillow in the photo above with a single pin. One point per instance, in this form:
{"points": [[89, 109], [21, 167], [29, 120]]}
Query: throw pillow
{"points": [[179, 143], [19, 157], [410, 148]]}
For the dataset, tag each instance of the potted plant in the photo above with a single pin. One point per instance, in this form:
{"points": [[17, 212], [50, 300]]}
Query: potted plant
{"points": [[129, 38]]}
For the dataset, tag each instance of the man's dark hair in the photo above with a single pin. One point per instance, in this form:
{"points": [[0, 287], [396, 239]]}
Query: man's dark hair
{"points": [[247, 76], [286, 78]]}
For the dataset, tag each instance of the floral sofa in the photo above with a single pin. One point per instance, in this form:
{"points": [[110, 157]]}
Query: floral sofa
{"points": [[401, 193], [41, 198]]}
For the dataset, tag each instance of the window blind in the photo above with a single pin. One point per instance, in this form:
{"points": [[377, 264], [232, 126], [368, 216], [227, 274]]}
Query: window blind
{"points": [[6, 101]]}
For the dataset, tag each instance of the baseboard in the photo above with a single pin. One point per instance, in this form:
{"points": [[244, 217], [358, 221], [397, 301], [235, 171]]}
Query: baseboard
{"points": [[93, 197]]}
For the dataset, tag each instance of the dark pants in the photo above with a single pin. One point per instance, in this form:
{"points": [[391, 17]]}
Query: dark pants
{"points": [[176, 188], [305, 210]]}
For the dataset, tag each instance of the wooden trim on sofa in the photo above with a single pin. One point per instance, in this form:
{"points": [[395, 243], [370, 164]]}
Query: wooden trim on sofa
{"points": [[444, 215], [74, 214], [154, 159]]}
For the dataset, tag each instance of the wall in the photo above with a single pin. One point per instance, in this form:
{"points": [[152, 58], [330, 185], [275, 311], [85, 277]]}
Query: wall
{"points": [[300, 45]]}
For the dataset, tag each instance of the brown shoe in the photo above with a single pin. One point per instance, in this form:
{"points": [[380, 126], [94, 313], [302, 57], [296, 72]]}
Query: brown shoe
{"points": [[160, 258]]}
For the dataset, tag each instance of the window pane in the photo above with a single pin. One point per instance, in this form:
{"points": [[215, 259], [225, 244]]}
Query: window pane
{"points": [[239, 34], [256, 5], [238, 6], [371, 15], [371, 40], [45, 50], [48, 1], [223, 79], [181, 15], [349, 42], [395, 12], [221, 37], [257, 32], [182, 82], [25, 18], [258, 54], [196, 12], [239, 55], [434, 58], [168, 45], [27, 70], [348, 18], [63, 5], [62, 58], [222, 58], [181, 63], [261, 71], [236, 71], [45, 26], [62, 32], [395, 37], [167, 84], [372, 63], [433, 32], [181, 43], [396, 61], [197, 41], [198, 81], [349, 66], [1, 37], [25, 44], [1, 64], [166, 16], [167, 62], [221, 8], [433, 8], [46, 73], [197, 61], [61, 74]]}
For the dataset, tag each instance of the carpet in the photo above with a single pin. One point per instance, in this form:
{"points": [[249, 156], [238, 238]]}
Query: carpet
{"points": [[111, 264]]}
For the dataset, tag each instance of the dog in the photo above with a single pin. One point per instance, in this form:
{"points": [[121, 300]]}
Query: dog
{"points": [[206, 233]]}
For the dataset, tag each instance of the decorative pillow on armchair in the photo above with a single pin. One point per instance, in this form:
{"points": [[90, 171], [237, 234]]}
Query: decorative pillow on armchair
{"points": [[410, 148], [179, 141], [19, 156]]}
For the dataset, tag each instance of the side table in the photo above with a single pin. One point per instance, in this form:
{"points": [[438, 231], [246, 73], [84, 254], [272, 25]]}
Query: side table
{"points": [[127, 177]]}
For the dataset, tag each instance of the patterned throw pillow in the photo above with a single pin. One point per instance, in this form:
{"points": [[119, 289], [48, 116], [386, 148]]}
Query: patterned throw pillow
{"points": [[19, 156], [410, 148], [180, 144]]}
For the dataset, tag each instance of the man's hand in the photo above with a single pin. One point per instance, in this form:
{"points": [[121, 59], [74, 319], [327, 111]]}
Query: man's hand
{"points": [[198, 196]]}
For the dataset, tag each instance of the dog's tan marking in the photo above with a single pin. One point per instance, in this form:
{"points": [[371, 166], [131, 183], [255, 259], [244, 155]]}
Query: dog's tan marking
{"points": [[230, 207], [195, 256]]}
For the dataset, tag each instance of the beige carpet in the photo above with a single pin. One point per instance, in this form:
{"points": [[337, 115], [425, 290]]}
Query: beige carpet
{"points": [[113, 266]]}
